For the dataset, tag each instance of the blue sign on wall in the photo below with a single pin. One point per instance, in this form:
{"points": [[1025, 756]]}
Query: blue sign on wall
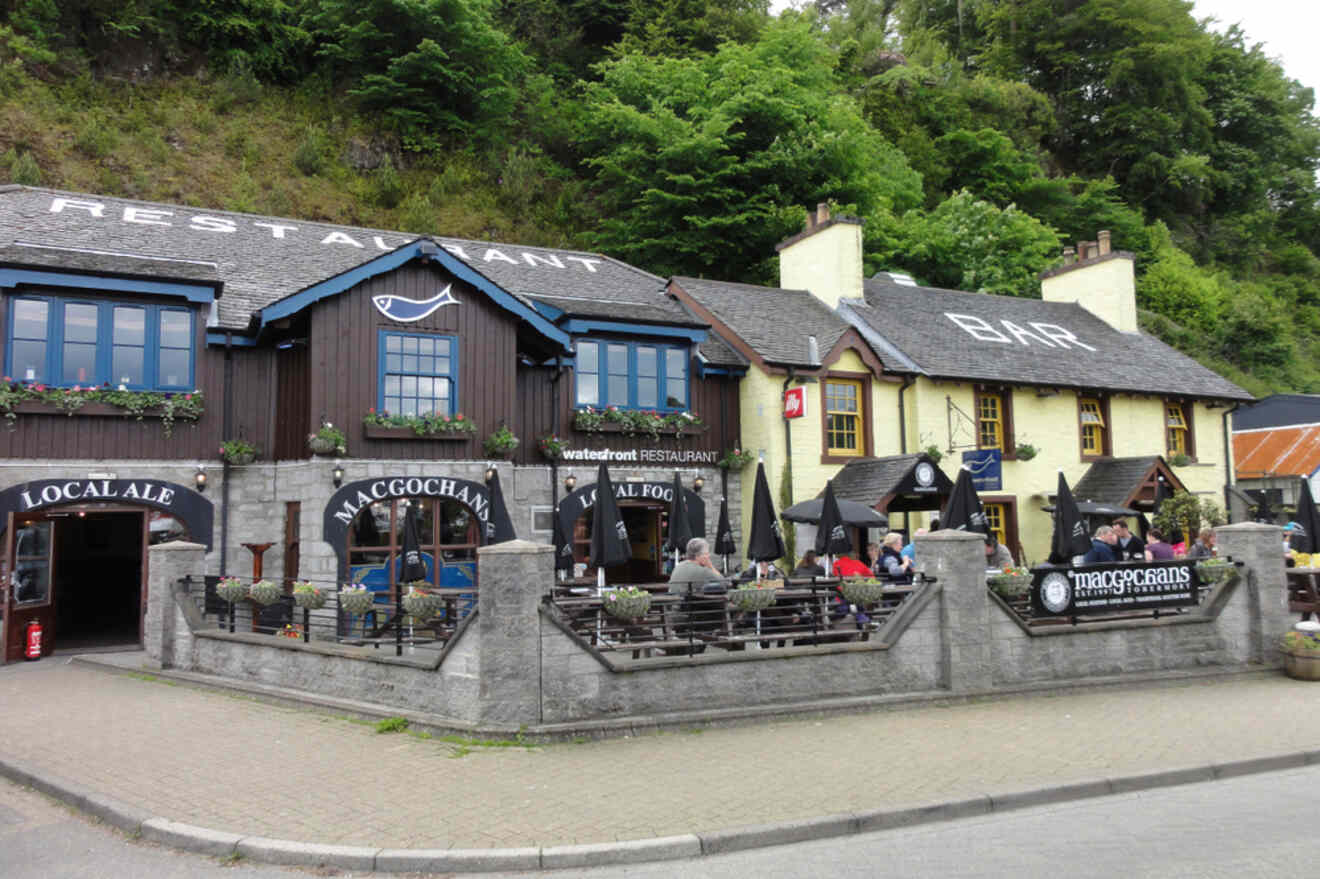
{"points": [[987, 466]]}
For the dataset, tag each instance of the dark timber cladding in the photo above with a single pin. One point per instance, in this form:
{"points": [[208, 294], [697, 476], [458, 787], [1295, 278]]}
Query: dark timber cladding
{"points": [[344, 347]]}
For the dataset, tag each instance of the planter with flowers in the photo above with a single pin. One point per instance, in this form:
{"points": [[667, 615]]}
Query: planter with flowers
{"points": [[552, 447], [626, 602], [862, 591], [612, 419], [501, 443], [735, 459], [1212, 570], [1011, 583], [355, 599], [265, 592], [421, 605], [239, 452], [328, 440], [307, 596], [755, 596], [1025, 451], [1301, 651], [35, 398], [383, 425], [231, 589]]}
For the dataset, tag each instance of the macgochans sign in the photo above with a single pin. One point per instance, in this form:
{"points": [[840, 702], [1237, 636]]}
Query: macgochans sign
{"points": [[1118, 586]]}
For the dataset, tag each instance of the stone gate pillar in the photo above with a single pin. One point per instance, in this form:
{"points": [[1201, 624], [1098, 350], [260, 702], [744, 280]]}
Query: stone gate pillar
{"points": [[1260, 548], [957, 558], [513, 577], [166, 635]]}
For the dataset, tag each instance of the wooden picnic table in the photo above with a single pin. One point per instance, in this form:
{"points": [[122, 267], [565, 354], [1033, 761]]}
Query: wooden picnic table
{"points": [[1303, 591]]}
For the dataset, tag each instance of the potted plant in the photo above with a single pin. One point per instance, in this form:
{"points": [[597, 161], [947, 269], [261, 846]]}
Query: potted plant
{"points": [[355, 599], [735, 459], [307, 596], [237, 451], [384, 425], [1301, 652], [755, 596], [1212, 570], [552, 447], [265, 592], [328, 440], [933, 452], [626, 602], [421, 605], [862, 591], [1025, 451], [1181, 459], [501, 443], [1012, 582], [231, 589]]}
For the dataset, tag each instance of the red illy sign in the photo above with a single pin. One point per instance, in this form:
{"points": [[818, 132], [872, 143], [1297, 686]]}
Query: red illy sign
{"points": [[795, 402]]}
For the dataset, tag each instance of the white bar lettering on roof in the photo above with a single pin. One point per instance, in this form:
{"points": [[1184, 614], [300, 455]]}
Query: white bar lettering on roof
{"points": [[276, 230], [146, 216], [380, 243], [978, 328], [340, 238], [456, 250], [95, 208], [588, 264], [212, 224], [1060, 335], [550, 259], [492, 253], [1019, 333]]}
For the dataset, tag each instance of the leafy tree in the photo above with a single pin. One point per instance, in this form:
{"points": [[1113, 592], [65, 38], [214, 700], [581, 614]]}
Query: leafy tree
{"points": [[700, 165], [1186, 512], [1175, 286], [986, 163], [681, 28]]}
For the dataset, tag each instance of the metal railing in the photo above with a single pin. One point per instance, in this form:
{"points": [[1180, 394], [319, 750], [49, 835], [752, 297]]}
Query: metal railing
{"points": [[381, 623], [726, 615]]}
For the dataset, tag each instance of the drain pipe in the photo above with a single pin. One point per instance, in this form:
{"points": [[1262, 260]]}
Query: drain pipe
{"points": [[902, 417], [1228, 456], [554, 429], [788, 436], [227, 424]]}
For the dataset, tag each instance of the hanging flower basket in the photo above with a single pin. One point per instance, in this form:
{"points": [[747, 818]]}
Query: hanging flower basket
{"points": [[355, 600], [1211, 571], [751, 598], [421, 605], [265, 592], [1010, 585], [307, 596], [626, 604], [862, 590], [231, 589], [321, 445]]}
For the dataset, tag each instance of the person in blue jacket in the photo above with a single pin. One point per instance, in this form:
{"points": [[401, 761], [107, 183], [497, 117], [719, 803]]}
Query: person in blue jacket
{"points": [[1102, 547]]}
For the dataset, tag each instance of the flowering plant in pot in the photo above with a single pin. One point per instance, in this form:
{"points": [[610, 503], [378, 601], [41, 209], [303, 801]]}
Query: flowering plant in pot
{"points": [[265, 592], [231, 589], [1301, 651], [862, 591], [1010, 582], [308, 596], [501, 443], [552, 446], [328, 440], [355, 599], [1212, 570], [237, 451], [626, 602], [735, 459], [421, 605], [755, 595]]}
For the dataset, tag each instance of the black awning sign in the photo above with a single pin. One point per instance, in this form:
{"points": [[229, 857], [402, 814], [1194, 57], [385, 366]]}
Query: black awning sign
{"points": [[1112, 587]]}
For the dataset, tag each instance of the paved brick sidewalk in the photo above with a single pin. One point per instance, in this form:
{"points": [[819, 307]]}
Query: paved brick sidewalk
{"points": [[235, 764]]}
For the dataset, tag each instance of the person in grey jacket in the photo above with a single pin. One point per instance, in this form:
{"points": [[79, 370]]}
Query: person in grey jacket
{"points": [[696, 569]]}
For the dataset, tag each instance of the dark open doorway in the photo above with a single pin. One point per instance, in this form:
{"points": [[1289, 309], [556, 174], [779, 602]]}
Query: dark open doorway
{"points": [[98, 579]]}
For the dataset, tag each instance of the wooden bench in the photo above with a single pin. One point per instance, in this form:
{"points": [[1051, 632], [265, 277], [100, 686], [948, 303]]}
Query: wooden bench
{"points": [[1303, 591]]}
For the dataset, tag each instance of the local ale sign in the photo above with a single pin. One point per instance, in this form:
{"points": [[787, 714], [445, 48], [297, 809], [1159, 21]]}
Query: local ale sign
{"points": [[189, 507], [1115, 586]]}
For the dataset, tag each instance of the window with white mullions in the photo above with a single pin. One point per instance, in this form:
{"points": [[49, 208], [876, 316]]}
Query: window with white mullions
{"points": [[631, 375], [417, 374]]}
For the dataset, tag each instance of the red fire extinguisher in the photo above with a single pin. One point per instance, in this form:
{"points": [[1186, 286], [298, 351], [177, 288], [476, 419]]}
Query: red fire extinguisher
{"points": [[33, 650]]}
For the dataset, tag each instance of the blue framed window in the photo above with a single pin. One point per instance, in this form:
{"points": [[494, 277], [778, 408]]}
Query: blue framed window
{"points": [[418, 374], [65, 342], [632, 375]]}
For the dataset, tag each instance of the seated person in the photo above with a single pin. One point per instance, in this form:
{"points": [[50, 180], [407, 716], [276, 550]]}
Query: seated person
{"points": [[910, 549], [1204, 547], [761, 571], [695, 570], [847, 566], [810, 566], [1129, 546], [1102, 547], [893, 563], [997, 555], [1158, 550]]}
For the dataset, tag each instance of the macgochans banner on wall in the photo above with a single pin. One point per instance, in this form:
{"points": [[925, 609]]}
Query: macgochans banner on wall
{"points": [[1117, 586]]}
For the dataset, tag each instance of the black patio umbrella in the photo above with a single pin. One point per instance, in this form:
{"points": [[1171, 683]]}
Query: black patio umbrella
{"points": [[724, 544], [831, 533], [766, 538], [1162, 494], [1305, 535], [499, 527], [852, 513], [411, 566], [609, 535], [965, 512], [680, 529], [563, 548], [1069, 537]]}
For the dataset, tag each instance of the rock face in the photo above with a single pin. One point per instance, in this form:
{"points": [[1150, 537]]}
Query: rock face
{"points": [[368, 154]]}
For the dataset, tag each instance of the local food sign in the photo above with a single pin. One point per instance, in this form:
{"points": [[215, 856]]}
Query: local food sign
{"points": [[1118, 586]]}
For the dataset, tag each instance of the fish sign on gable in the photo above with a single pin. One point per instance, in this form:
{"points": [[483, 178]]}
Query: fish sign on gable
{"points": [[403, 310], [1046, 334]]}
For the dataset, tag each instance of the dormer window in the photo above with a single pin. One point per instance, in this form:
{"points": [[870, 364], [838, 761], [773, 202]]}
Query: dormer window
{"points": [[632, 375]]}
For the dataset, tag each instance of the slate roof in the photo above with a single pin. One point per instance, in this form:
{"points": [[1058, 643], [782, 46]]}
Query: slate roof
{"points": [[871, 480], [1279, 410], [665, 311], [1277, 451], [264, 259], [774, 322], [915, 320], [102, 263], [1113, 481]]}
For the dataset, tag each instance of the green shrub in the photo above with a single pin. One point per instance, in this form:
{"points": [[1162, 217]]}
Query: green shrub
{"points": [[23, 169], [387, 185], [95, 139], [310, 155]]}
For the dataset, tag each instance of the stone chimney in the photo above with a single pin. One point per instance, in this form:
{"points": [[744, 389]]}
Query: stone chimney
{"points": [[1101, 280], [824, 258]]}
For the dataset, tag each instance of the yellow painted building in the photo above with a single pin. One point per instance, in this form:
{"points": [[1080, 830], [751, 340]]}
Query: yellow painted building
{"points": [[890, 368]]}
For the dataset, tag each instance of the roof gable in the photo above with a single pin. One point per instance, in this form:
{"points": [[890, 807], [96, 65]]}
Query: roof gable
{"points": [[1279, 451]]}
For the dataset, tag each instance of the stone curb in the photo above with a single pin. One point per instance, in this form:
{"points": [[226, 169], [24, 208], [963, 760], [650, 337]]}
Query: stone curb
{"points": [[189, 837]]}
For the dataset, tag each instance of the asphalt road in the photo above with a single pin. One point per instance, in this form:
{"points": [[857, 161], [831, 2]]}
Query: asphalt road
{"points": [[1253, 826]]}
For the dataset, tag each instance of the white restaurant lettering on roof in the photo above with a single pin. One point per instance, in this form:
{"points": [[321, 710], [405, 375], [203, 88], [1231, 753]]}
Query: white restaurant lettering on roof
{"points": [[279, 231]]}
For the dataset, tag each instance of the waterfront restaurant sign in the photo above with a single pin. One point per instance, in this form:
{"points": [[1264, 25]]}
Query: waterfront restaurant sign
{"points": [[1115, 586], [189, 507], [642, 456]]}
